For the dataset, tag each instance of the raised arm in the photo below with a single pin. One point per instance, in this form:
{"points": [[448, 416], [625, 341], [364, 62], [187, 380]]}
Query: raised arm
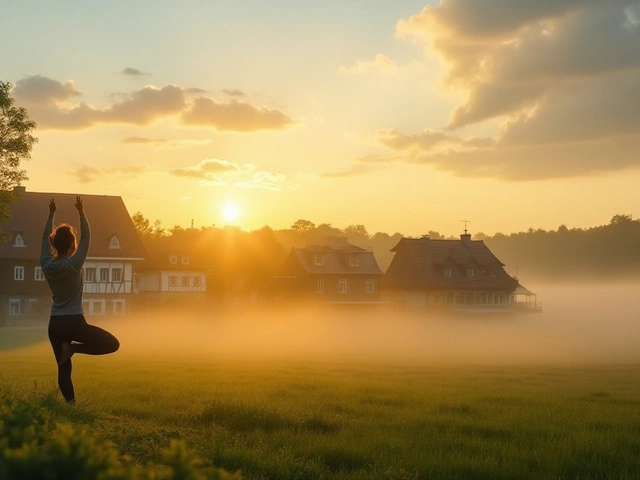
{"points": [[45, 245], [77, 260]]}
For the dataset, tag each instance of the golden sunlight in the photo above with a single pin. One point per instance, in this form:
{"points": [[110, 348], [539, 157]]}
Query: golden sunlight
{"points": [[230, 212]]}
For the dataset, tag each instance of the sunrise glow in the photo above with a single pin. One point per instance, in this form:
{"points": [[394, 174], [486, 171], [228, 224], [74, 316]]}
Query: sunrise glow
{"points": [[230, 212]]}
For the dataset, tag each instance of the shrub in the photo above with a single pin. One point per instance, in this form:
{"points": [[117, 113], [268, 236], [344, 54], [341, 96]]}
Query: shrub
{"points": [[34, 446]]}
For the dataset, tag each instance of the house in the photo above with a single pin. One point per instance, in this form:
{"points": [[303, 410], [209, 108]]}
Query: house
{"points": [[455, 275], [108, 271], [335, 273], [170, 275]]}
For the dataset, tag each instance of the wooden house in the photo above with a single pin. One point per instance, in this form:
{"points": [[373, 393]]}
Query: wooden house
{"points": [[108, 272], [456, 275], [335, 273]]}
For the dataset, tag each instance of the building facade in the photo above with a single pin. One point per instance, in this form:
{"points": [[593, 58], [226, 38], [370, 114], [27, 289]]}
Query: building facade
{"points": [[108, 272], [453, 275]]}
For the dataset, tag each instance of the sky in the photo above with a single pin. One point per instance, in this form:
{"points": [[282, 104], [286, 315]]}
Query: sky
{"points": [[403, 116]]}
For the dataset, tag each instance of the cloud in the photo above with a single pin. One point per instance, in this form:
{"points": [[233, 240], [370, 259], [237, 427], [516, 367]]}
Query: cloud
{"points": [[132, 72], [553, 73], [234, 93], [157, 142], [380, 63], [432, 141], [143, 141], [267, 180], [206, 170], [43, 90], [50, 105], [234, 116], [89, 174], [352, 171]]}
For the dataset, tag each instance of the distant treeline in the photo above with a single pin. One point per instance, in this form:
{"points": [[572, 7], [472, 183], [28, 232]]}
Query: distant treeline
{"points": [[604, 252]]}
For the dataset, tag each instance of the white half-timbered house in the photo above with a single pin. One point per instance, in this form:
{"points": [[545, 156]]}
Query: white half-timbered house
{"points": [[108, 272]]}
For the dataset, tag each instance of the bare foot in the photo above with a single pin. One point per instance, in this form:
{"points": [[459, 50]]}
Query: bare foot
{"points": [[66, 353]]}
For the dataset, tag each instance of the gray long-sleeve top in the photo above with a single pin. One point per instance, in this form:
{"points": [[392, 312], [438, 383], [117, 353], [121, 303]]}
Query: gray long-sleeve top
{"points": [[64, 274]]}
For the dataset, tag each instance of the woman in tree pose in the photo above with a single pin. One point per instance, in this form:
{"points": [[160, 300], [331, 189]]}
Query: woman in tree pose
{"points": [[61, 259]]}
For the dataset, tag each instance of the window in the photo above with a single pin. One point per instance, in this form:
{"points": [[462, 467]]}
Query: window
{"points": [[173, 259], [318, 259], [116, 275], [197, 281], [104, 274], [38, 275], [96, 307], [14, 307], [354, 260], [90, 274], [185, 260], [447, 272], [320, 285], [114, 243], [342, 286], [118, 307], [33, 305], [471, 272], [370, 286], [186, 281], [18, 273], [493, 274], [18, 241], [173, 281]]}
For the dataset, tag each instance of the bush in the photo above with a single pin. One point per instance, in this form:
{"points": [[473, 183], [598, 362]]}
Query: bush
{"points": [[34, 446]]}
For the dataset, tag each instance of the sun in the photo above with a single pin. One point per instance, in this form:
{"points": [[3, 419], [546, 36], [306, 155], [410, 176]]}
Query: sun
{"points": [[230, 212]]}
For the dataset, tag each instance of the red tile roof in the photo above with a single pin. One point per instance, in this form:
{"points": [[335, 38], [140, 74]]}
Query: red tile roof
{"points": [[107, 216]]}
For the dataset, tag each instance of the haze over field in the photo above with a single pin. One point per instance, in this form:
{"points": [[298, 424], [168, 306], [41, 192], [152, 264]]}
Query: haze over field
{"points": [[590, 324], [403, 116]]}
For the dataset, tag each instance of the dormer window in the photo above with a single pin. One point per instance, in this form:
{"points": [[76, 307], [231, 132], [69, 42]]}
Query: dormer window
{"points": [[318, 258], [447, 272], [354, 260], [471, 272], [114, 244], [185, 260], [18, 241], [173, 259]]}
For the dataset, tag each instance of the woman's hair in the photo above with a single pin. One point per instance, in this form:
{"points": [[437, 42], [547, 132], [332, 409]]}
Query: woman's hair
{"points": [[63, 240]]}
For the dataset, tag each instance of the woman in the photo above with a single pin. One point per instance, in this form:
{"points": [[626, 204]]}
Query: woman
{"points": [[61, 259]]}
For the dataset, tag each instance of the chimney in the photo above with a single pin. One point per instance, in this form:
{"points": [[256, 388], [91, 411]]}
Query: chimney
{"points": [[424, 237], [19, 189], [466, 238]]}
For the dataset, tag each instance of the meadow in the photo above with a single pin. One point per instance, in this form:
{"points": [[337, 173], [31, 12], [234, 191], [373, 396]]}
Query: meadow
{"points": [[330, 400]]}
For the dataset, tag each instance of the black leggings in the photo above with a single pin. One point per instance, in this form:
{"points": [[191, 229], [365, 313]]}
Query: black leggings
{"points": [[91, 340]]}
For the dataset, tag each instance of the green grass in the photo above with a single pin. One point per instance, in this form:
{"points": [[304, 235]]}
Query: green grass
{"points": [[347, 419]]}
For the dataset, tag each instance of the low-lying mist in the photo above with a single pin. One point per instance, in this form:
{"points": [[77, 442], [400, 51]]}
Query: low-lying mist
{"points": [[580, 324]]}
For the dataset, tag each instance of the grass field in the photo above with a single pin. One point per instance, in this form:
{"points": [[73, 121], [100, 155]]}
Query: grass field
{"points": [[297, 416]]}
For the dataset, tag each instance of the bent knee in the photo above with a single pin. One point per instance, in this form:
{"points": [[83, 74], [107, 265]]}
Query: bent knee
{"points": [[114, 345]]}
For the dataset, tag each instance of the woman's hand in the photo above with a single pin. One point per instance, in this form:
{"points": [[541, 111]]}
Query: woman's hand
{"points": [[52, 207], [79, 205]]}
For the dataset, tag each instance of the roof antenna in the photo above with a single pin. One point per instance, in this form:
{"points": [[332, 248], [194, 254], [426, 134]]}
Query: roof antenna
{"points": [[465, 225]]}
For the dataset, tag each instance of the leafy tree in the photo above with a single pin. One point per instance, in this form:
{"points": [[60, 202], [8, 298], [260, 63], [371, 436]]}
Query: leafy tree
{"points": [[16, 142], [303, 226], [145, 229], [356, 231], [620, 218]]}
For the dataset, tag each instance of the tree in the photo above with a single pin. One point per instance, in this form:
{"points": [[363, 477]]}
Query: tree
{"points": [[356, 231], [620, 218], [144, 228], [16, 142], [303, 226]]}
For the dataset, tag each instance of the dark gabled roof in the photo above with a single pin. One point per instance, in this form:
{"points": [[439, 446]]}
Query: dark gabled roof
{"points": [[107, 216], [159, 257], [420, 263], [337, 261]]}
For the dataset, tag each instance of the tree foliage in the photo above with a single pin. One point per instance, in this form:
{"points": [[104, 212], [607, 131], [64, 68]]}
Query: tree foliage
{"points": [[16, 142], [16, 139]]}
